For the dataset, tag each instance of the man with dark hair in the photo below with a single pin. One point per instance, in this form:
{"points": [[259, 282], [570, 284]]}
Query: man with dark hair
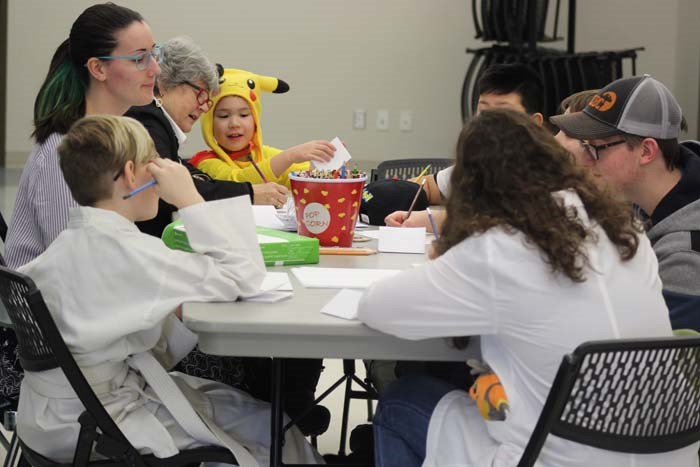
{"points": [[630, 131], [514, 86]]}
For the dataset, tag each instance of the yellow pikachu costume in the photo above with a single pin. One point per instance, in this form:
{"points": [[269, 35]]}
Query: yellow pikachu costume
{"points": [[222, 165]]}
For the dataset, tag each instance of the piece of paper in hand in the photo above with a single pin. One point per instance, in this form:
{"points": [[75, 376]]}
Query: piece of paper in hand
{"points": [[341, 157], [344, 304], [402, 239]]}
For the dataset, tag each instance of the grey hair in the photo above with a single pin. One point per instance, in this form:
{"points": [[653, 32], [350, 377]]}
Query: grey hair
{"points": [[183, 60]]}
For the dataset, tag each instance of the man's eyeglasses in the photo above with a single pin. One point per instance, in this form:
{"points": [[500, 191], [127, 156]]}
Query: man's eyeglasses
{"points": [[593, 150], [202, 94], [142, 60]]}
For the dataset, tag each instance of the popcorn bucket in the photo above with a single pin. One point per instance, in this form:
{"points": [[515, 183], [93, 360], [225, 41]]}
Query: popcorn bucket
{"points": [[327, 208]]}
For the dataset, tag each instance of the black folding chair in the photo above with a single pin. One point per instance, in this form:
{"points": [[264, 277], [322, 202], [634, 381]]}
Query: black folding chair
{"points": [[636, 396], [408, 168], [3, 228], [42, 348]]}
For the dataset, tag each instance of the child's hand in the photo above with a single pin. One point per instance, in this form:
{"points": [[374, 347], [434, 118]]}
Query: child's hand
{"points": [[318, 150], [270, 193], [417, 219], [395, 219], [175, 185]]}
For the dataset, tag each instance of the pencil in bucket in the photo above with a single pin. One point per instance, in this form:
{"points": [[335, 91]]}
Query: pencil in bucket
{"points": [[327, 208]]}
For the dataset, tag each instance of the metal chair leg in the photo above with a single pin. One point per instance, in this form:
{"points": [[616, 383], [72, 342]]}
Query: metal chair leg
{"points": [[13, 452]]}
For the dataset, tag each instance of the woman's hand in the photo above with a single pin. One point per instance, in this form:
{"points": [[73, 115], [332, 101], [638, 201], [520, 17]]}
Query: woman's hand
{"points": [[270, 193]]}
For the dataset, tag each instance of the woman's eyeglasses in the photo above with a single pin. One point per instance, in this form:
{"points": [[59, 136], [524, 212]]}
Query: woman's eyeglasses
{"points": [[202, 94], [142, 60]]}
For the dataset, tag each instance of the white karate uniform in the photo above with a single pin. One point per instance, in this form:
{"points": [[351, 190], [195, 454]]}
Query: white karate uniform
{"points": [[497, 286], [112, 290]]}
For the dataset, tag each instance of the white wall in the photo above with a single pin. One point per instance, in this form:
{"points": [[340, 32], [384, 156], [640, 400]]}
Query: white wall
{"points": [[339, 55]]}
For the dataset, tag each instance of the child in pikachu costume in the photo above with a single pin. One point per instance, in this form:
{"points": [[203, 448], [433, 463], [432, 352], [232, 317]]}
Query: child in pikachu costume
{"points": [[233, 144]]}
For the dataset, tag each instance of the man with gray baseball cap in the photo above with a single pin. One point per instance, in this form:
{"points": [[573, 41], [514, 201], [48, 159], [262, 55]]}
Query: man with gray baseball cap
{"points": [[630, 131]]}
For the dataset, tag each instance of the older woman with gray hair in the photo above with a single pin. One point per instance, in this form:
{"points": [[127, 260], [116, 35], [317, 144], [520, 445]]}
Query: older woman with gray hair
{"points": [[182, 91]]}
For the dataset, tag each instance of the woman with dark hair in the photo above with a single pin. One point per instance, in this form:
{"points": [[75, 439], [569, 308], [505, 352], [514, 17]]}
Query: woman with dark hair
{"points": [[108, 63], [535, 259], [182, 94]]}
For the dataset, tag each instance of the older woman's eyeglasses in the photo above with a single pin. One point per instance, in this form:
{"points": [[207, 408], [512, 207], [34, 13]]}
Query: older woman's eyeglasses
{"points": [[202, 94], [593, 150], [142, 60]]}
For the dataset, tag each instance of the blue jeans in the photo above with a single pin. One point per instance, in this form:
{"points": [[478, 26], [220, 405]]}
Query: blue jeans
{"points": [[402, 418]]}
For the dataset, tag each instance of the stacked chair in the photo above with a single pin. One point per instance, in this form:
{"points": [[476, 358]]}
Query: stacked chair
{"points": [[517, 27]]}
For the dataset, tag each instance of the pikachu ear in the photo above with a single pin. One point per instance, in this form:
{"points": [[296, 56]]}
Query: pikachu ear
{"points": [[273, 85], [282, 87]]}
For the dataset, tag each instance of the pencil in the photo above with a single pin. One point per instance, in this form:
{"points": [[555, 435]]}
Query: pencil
{"points": [[257, 169], [340, 250], [138, 190], [422, 172], [432, 223], [415, 198]]}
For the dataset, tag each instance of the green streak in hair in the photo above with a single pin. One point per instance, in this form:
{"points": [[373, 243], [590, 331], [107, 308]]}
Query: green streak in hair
{"points": [[61, 98]]}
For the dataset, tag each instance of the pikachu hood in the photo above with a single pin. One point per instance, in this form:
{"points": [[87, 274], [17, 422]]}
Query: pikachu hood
{"points": [[248, 86]]}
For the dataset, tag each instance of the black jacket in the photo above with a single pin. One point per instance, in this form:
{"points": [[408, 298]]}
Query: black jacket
{"points": [[154, 120]]}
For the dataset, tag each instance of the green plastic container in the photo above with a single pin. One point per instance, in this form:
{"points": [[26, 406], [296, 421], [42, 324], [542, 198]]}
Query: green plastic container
{"points": [[278, 248]]}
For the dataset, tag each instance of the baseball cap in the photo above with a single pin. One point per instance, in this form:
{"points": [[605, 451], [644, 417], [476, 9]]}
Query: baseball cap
{"points": [[639, 105], [381, 198]]}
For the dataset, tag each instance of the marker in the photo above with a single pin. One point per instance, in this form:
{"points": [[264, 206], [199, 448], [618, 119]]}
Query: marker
{"points": [[257, 169], [140, 189], [432, 223], [415, 198]]}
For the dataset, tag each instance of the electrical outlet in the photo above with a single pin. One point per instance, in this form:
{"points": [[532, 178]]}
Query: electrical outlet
{"points": [[406, 120], [382, 120], [359, 119]]}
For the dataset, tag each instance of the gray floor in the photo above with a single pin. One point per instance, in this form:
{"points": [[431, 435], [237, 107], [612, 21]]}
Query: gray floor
{"points": [[328, 442]]}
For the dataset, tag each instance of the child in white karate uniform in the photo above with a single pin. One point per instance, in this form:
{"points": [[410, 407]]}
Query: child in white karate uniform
{"points": [[115, 294]]}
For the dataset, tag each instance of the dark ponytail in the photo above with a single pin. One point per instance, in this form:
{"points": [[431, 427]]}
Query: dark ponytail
{"points": [[61, 98]]}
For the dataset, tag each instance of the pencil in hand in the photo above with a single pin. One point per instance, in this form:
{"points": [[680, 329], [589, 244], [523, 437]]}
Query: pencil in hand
{"points": [[257, 169], [415, 198], [138, 190], [422, 173]]}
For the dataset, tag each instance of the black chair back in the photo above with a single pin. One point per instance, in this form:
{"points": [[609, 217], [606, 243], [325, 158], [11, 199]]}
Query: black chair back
{"points": [[3, 228], [636, 396], [408, 168], [41, 348]]}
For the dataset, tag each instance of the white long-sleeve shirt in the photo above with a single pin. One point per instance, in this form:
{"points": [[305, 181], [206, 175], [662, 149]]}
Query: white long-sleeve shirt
{"points": [[111, 291], [497, 286]]}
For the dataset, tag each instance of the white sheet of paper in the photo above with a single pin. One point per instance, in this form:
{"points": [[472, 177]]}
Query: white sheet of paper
{"points": [[402, 239], [344, 304], [271, 296], [275, 287], [266, 216], [277, 281], [340, 278], [340, 157]]}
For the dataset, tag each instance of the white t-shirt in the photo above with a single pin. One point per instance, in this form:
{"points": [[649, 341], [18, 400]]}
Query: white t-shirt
{"points": [[442, 178]]}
